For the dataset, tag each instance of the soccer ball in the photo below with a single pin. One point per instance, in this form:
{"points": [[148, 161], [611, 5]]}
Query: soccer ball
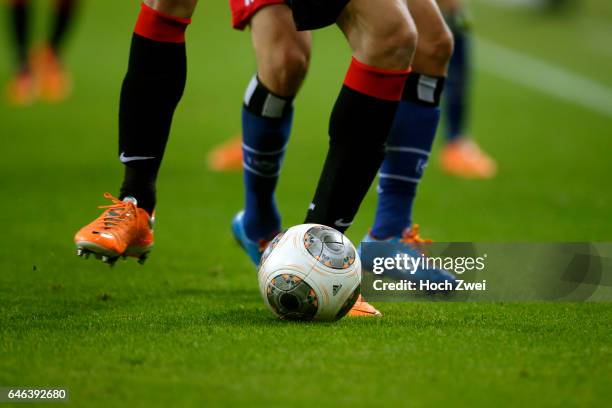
{"points": [[310, 272]]}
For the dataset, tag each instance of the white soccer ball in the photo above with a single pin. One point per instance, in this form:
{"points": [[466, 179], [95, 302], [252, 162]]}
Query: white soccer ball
{"points": [[310, 272]]}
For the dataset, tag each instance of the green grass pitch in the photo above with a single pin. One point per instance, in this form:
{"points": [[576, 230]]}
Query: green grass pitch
{"points": [[189, 328]]}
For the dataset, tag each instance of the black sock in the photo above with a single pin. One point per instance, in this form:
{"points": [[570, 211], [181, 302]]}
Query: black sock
{"points": [[64, 11], [20, 17], [359, 127], [152, 88], [151, 91]]}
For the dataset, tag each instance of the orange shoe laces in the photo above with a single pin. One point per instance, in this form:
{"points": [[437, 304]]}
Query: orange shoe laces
{"points": [[411, 236], [117, 212], [262, 244]]}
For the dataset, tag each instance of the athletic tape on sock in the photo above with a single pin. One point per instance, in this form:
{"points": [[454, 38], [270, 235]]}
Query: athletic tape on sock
{"points": [[423, 89], [259, 100]]}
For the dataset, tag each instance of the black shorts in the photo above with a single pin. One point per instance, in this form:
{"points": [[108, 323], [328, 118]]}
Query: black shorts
{"points": [[313, 14]]}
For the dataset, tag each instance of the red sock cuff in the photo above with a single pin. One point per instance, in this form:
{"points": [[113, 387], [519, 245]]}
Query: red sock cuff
{"points": [[378, 83], [162, 27]]}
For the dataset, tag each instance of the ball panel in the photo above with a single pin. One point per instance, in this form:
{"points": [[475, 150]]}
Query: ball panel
{"points": [[292, 298], [333, 292], [329, 247]]}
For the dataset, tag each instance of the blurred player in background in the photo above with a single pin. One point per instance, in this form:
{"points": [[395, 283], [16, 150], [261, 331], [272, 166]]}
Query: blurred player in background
{"points": [[39, 73], [461, 156]]}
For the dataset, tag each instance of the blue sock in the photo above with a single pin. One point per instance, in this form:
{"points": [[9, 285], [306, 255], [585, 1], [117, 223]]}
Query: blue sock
{"points": [[266, 124], [408, 149], [457, 86]]}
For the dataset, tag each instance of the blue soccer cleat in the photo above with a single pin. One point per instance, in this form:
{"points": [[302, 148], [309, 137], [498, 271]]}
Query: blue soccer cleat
{"points": [[254, 249], [408, 243]]}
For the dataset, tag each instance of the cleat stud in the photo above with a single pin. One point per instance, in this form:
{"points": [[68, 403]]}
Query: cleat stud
{"points": [[143, 258], [80, 252]]}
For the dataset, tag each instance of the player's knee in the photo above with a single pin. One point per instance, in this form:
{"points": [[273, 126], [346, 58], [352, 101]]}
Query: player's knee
{"points": [[296, 63], [438, 49], [394, 46], [286, 70]]}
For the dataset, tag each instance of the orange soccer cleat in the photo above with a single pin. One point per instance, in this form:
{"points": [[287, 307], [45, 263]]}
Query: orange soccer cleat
{"points": [[53, 81], [122, 230], [363, 308], [227, 156], [463, 158], [21, 90]]}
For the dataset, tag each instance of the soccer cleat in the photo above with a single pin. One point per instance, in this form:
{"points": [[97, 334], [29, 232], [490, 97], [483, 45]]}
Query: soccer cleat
{"points": [[227, 156], [361, 308], [463, 158], [53, 81], [21, 90], [410, 243], [122, 230], [253, 249]]}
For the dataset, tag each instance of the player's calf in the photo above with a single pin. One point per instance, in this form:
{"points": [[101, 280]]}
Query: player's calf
{"points": [[383, 39], [414, 128], [282, 61], [152, 88]]}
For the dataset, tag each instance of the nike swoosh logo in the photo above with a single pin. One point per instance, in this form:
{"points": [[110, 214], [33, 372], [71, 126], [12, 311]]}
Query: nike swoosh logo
{"points": [[126, 159], [341, 223]]}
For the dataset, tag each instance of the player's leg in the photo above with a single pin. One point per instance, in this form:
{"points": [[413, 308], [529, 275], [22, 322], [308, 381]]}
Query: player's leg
{"points": [[151, 90], [20, 19], [461, 156], [282, 55], [383, 38], [415, 124], [20, 90], [53, 81], [294, 49], [456, 96], [63, 20], [411, 138]]}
